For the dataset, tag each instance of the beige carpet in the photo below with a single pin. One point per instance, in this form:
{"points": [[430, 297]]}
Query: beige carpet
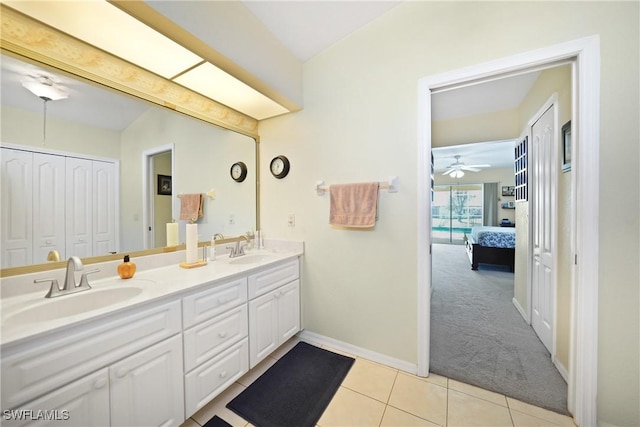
{"points": [[478, 337]]}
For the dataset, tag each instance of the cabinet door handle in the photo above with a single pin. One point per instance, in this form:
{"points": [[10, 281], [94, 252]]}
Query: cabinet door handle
{"points": [[222, 334], [99, 383], [223, 374], [121, 372]]}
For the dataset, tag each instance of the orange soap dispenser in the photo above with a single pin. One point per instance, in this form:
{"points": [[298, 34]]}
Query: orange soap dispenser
{"points": [[127, 269]]}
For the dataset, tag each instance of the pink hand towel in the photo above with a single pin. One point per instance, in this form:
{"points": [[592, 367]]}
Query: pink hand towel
{"points": [[354, 205], [191, 207]]}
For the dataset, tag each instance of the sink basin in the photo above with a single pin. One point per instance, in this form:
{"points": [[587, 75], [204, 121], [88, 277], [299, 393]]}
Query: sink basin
{"points": [[70, 305], [251, 259]]}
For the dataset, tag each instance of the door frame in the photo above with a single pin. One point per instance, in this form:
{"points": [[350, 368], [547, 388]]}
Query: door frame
{"points": [[585, 52], [148, 185]]}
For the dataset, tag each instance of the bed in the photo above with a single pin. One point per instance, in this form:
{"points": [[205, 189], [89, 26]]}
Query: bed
{"points": [[491, 245]]}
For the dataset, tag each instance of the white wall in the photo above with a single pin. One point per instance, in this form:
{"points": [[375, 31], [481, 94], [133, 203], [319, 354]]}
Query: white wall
{"points": [[556, 80], [203, 156], [360, 123], [26, 128]]}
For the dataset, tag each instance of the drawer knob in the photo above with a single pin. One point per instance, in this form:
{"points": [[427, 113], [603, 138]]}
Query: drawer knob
{"points": [[222, 334], [223, 374], [99, 383]]}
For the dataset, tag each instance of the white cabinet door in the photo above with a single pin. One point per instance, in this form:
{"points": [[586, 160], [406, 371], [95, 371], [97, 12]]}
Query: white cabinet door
{"points": [[48, 206], [147, 389], [17, 185], [273, 319], [79, 215], [104, 211], [289, 310], [263, 327], [83, 403]]}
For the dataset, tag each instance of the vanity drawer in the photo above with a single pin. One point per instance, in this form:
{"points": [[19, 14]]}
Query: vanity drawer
{"points": [[271, 278], [30, 370], [212, 378], [205, 340], [211, 302]]}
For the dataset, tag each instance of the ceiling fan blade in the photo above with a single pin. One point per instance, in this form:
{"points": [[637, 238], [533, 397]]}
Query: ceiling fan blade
{"points": [[449, 171], [470, 168]]}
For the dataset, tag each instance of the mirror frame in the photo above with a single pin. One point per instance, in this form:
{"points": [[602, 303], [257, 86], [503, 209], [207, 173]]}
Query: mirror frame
{"points": [[32, 41]]}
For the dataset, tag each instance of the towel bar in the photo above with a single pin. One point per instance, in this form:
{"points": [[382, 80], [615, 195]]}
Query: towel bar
{"points": [[391, 185]]}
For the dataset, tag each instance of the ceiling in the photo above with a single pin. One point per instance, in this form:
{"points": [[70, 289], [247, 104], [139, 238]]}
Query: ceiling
{"points": [[497, 154], [87, 104], [306, 29]]}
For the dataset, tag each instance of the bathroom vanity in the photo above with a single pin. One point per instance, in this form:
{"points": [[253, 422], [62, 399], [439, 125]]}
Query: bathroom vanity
{"points": [[153, 354]]}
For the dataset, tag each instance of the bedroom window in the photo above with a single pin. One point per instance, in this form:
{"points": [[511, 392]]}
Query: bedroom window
{"points": [[455, 209]]}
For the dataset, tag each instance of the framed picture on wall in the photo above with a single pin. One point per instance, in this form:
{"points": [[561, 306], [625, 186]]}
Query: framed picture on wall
{"points": [[566, 147], [164, 185], [508, 190]]}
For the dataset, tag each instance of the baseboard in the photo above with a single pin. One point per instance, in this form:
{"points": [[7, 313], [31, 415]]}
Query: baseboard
{"points": [[383, 359], [564, 372], [521, 310]]}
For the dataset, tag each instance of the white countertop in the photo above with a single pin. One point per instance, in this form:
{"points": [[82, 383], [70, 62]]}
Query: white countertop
{"points": [[155, 284]]}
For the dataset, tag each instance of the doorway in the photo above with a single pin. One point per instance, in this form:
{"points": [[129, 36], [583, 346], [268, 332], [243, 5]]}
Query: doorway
{"points": [[583, 341], [157, 175]]}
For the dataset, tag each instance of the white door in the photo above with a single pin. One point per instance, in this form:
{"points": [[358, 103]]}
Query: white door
{"points": [[104, 212], [17, 185], [83, 403], [79, 215], [147, 389], [263, 327], [289, 310], [48, 206], [543, 204]]}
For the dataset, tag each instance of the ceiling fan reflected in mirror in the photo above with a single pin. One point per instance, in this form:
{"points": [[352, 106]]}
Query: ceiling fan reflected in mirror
{"points": [[456, 169], [44, 87]]}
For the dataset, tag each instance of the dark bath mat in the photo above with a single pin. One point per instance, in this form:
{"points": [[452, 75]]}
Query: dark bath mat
{"points": [[295, 391]]}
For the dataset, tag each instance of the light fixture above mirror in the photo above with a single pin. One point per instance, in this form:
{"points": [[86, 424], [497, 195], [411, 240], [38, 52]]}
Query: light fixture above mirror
{"points": [[140, 44]]}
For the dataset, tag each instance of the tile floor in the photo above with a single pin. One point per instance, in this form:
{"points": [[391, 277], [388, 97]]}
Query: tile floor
{"points": [[376, 395]]}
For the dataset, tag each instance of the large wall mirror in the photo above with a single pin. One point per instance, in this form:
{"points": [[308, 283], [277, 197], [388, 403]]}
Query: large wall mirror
{"points": [[152, 145]]}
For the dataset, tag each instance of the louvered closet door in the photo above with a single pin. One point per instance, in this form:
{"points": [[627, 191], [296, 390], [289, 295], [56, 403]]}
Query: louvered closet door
{"points": [[79, 215]]}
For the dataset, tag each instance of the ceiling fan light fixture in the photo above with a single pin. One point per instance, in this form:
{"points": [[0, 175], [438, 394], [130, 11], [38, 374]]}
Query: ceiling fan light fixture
{"points": [[457, 174], [44, 88]]}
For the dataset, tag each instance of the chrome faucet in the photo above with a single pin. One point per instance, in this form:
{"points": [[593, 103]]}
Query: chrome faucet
{"points": [[73, 264], [238, 250], [70, 286]]}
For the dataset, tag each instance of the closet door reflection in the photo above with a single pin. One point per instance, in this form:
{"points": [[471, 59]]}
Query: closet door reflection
{"points": [[455, 210]]}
